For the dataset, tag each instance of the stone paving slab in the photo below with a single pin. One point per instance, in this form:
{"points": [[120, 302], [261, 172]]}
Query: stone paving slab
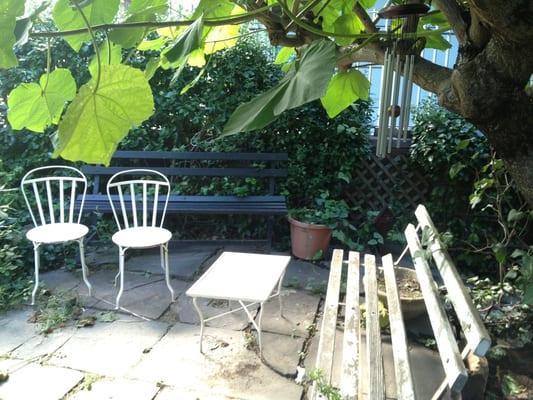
{"points": [[299, 309], [227, 368], [103, 282], [117, 389], [109, 348], [169, 393], [35, 381], [150, 300], [186, 313], [15, 329], [305, 275], [183, 265], [282, 352], [61, 279], [42, 345], [425, 364]]}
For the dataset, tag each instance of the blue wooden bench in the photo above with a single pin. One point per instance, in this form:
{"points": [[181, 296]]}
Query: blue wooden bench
{"points": [[199, 164]]}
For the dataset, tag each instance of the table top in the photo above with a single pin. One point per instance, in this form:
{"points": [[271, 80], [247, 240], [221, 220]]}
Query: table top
{"points": [[241, 276]]}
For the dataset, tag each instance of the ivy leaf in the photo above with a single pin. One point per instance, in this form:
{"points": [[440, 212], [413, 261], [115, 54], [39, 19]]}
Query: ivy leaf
{"points": [[343, 89], [347, 24], [37, 105], [95, 122], [138, 11], [515, 216], [455, 169], [463, 144], [9, 11], [186, 43], [97, 12], [306, 81], [108, 56], [284, 55]]}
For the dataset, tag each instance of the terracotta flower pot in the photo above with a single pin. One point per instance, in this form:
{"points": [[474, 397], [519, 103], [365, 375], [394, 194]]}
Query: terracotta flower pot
{"points": [[307, 240]]}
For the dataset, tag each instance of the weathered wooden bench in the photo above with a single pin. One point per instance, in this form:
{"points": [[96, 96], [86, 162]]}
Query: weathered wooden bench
{"points": [[475, 335], [269, 205]]}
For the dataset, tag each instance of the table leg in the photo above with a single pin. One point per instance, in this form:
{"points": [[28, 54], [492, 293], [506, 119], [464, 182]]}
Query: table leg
{"points": [[279, 295], [259, 330], [201, 321]]}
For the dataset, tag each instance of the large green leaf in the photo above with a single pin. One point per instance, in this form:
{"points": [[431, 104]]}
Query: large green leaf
{"points": [[9, 11], [284, 55], [367, 3], [306, 81], [95, 122], [347, 24], [97, 12], [328, 11], [37, 105], [109, 55], [186, 43], [437, 41], [138, 11], [343, 89]]}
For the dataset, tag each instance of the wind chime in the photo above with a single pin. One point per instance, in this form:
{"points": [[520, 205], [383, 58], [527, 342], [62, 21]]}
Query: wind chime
{"points": [[397, 76]]}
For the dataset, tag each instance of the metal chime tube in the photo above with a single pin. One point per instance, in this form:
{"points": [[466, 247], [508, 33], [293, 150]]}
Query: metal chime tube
{"points": [[403, 100], [407, 106], [387, 100], [382, 94], [394, 100]]}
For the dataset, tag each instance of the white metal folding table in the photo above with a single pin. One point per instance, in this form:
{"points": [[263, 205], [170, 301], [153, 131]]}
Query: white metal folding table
{"points": [[242, 277]]}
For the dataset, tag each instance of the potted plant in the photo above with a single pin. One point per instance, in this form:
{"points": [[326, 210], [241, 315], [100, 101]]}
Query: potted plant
{"points": [[312, 228]]}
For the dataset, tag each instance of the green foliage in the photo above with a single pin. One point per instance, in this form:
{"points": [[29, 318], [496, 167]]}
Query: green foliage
{"points": [[325, 389], [306, 81], [9, 10], [55, 310], [343, 90]]}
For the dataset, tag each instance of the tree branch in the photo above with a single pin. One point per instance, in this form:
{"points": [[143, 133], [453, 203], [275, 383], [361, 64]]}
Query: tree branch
{"points": [[452, 12], [365, 18]]}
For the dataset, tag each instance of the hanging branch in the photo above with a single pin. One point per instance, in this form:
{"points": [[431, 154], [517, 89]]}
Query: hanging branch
{"points": [[48, 63]]}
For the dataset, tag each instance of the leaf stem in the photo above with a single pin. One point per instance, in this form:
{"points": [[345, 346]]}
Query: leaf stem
{"points": [[48, 63], [93, 38]]}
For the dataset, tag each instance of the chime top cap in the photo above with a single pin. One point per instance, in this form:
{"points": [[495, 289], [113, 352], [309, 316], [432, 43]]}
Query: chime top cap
{"points": [[403, 10]]}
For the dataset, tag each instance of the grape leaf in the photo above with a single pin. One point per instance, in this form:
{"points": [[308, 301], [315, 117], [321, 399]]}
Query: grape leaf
{"points": [[97, 12], [138, 11], [347, 24], [37, 105], [9, 11], [96, 121], [343, 89]]}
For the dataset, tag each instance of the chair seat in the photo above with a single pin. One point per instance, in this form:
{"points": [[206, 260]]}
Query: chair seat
{"points": [[57, 233], [142, 237]]}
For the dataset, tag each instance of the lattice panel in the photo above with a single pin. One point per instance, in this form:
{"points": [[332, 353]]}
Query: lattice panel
{"points": [[388, 182]]}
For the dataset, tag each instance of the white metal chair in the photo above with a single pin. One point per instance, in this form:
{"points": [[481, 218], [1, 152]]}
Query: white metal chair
{"points": [[55, 222], [144, 230]]}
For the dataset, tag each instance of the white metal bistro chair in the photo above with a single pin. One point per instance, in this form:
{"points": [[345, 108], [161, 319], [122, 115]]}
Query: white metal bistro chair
{"points": [[140, 194], [55, 222]]}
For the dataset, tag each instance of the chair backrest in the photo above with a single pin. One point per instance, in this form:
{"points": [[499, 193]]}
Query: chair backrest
{"points": [[145, 191], [54, 190]]}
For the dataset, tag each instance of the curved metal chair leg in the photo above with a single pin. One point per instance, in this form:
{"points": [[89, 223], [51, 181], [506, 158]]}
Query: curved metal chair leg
{"points": [[166, 268], [122, 252], [202, 323], [84, 270], [161, 251], [37, 265]]}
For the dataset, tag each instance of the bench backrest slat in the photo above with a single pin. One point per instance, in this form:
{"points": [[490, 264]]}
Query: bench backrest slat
{"points": [[212, 172], [326, 344], [449, 353], [474, 330], [199, 156], [350, 347], [402, 367], [374, 361]]}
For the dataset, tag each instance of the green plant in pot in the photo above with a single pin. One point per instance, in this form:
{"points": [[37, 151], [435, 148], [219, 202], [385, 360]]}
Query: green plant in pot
{"points": [[312, 227]]}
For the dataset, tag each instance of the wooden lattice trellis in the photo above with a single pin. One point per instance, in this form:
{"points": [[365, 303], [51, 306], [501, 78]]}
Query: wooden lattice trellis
{"points": [[390, 182]]}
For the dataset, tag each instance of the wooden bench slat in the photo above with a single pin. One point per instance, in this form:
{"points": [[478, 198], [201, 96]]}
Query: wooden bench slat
{"points": [[376, 384], [326, 344], [402, 368], [475, 332], [211, 172], [200, 156], [351, 342], [448, 350]]}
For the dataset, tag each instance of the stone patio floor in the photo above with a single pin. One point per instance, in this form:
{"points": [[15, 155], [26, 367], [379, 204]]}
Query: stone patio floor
{"points": [[150, 350]]}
